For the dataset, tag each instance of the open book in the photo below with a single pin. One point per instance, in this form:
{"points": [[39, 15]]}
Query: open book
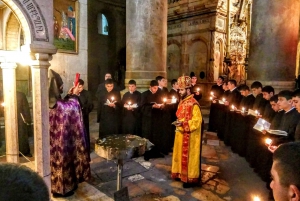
{"points": [[132, 105], [221, 102], [109, 102], [253, 113], [261, 125]]}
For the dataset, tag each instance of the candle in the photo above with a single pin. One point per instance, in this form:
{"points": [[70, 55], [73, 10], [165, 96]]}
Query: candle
{"points": [[256, 198], [232, 107], [165, 100], [2, 104], [212, 93], [112, 98], [210, 98], [243, 110], [129, 103], [224, 99], [198, 89], [268, 141], [256, 112]]}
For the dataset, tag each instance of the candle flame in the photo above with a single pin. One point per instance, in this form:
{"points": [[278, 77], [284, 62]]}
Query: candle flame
{"points": [[2, 104], [164, 99], [256, 198], [112, 98], [173, 97], [129, 103], [268, 141], [198, 89], [210, 98], [212, 93], [232, 106], [223, 99]]}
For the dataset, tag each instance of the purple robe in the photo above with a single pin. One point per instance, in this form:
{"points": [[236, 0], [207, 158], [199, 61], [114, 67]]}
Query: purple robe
{"points": [[69, 157]]}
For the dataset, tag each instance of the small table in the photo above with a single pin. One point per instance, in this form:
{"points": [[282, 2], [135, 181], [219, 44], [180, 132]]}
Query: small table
{"points": [[121, 147]]}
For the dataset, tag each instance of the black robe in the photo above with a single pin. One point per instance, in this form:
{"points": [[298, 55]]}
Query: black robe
{"points": [[109, 117], [87, 106], [194, 90], [154, 126], [289, 123], [214, 116], [131, 118], [247, 102], [24, 121], [268, 113], [260, 103]]}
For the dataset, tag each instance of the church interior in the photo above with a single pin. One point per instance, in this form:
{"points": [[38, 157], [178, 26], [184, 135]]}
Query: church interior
{"points": [[244, 40]]}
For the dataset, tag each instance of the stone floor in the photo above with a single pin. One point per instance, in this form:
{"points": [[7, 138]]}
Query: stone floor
{"points": [[225, 176]]}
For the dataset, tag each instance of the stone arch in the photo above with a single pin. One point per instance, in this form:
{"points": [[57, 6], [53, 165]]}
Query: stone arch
{"points": [[173, 59], [13, 31], [198, 57], [31, 20]]}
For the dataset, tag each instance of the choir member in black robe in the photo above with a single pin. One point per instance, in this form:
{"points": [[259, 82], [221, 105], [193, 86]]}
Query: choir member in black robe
{"points": [[162, 86], [24, 121], [239, 133], [196, 90], [291, 116], [154, 127], [248, 98], [216, 93], [86, 103], [265, 156], [131, 115], [222, 113], [234, 100], [269, 113], [260, 102], [109, 110], [101, 87]]}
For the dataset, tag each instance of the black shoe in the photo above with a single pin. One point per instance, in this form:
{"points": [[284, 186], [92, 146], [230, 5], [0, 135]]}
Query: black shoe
{"points": [[57, 195], [188, 185]]}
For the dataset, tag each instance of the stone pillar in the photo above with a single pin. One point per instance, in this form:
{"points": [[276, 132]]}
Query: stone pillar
{"points": [[273, 43], [146, 40], [39, 69], [10, 111]]}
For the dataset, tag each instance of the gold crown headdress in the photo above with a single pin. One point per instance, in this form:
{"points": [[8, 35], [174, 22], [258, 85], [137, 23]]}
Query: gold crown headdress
{"points": [[184, 82]]}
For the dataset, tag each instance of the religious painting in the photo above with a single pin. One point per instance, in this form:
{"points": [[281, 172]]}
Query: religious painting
{"points": [[65, 27]]}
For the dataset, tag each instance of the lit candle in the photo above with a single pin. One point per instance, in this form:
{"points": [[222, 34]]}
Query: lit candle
{"points": [[173, 97], [212, 93], [268, 141], [112, 98], [223, 99], [198, 89], [232, 107], [256, 198], [2, 104], [243, 110], [165, 100], [256, 112], [210, 98], [129, 103]]}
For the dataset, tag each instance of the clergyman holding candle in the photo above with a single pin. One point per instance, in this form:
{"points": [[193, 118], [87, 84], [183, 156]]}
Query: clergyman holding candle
{"points": [[109, 110]]}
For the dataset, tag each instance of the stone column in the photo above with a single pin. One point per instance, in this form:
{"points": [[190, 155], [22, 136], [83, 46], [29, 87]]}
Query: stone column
{"points": [[10, 111], [146, 40], [273, 43], [39, 69]]}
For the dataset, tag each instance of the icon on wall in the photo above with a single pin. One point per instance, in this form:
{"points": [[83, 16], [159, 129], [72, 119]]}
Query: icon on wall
{"points": [[65, 25]]}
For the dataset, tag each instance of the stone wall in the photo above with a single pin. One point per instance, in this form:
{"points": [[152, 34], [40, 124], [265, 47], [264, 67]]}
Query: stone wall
{"points": [[106, 52]]}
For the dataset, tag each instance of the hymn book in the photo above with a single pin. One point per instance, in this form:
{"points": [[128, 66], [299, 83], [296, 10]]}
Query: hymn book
{"points": [[261, 125], [109, 102], [264, 125]]}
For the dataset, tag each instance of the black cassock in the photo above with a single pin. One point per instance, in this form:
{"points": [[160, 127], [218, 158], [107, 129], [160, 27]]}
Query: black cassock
{"points": [[24, 119], [109, 117], [247, 102], [87, 106], [154, 127], [215, 108], [172, 109], [260, 103], [131, 119]]}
